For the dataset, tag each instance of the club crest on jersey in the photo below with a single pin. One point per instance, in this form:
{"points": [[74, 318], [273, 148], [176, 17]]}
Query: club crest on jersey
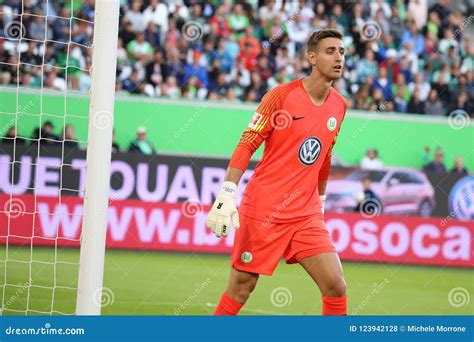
{"points": [[256, 118], [309, 151], [331, 123]]}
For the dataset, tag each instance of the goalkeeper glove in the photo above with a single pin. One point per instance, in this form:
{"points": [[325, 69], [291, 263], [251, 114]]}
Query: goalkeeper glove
{"points": [[224, 211], [323, 199]]}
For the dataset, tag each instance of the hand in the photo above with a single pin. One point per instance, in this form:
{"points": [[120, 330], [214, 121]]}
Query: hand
{"points": [[224, 211]]}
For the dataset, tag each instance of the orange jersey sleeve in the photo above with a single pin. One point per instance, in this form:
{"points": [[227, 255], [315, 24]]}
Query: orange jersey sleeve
{"points": [[326, 167], [258, 130]]}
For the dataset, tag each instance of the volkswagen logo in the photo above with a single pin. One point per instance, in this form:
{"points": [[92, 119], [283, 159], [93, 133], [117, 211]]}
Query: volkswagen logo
{"points": [[461, 199], [309, 151]]}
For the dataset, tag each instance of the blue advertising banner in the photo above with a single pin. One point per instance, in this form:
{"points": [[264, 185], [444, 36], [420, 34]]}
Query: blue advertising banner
{"points": [[241, 329]]}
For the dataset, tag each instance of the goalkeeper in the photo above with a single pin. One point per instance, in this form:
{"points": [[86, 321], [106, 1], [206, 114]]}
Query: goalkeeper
{"points": [[281, 213]]}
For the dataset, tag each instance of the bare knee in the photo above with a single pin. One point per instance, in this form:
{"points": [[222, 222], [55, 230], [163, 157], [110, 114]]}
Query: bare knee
{"points": [[335, 288], [241, 285]]}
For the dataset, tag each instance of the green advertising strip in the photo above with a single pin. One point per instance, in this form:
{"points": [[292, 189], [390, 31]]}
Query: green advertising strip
{"points": [[214, 128]]}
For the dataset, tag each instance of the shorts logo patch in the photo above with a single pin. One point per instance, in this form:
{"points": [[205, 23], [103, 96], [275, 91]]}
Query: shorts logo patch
{"points": [[246, 257], [331, 123], [256, 118], [309, 151]]}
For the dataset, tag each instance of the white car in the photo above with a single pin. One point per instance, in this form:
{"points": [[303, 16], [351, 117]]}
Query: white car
{"points": [[401, 191]]}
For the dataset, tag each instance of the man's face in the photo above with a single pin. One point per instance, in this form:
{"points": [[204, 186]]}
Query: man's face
{"points": [[328, 58]]}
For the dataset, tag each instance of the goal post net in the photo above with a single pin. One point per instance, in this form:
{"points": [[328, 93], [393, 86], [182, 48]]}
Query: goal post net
{"points": [[55, 56]]}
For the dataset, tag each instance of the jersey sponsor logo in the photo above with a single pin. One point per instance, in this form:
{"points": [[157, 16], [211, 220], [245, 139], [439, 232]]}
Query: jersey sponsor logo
{"points": [[246, 257], [331, 123], [309, 151], [256, 118]]}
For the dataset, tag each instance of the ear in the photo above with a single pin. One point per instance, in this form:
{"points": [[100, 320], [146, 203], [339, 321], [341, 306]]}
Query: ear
{"points": [[311, 55]]}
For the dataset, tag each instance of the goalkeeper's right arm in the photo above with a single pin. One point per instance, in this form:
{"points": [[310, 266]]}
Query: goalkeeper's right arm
{"points": [[224, 210]]}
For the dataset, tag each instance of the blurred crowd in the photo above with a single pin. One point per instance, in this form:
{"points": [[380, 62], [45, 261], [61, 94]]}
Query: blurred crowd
{"points": [[46, 137], [409, 56], [433, 162]]}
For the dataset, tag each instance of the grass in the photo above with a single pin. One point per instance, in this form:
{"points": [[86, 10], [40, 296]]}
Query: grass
{"points": [[159, 283]]}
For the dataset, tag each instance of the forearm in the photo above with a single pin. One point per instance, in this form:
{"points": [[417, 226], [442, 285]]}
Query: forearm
{"points": [[322, 187], [233, 175]]}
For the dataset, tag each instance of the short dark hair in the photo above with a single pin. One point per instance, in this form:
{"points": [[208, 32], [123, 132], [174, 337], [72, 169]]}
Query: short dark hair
{"points": [[316, 37]]}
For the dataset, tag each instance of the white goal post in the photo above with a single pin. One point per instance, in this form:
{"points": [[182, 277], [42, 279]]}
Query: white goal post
{"points": [[92, 255]]}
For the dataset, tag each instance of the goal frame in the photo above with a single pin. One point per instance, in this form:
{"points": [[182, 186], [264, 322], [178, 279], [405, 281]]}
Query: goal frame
{"points": [[99, 148]]}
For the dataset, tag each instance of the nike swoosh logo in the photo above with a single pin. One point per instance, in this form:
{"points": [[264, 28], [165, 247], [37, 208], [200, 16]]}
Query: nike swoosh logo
{"points": [[299, 118]]}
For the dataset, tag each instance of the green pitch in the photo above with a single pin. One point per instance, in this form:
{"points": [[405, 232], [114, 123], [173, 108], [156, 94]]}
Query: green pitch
{"points": [[158, 283]]}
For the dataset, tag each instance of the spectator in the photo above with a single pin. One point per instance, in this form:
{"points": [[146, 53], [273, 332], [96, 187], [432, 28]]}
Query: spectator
{"points": [[37, 28], [458, 167], [45, 136], [11, 137], [421, 86], [418, 9], [433, 105], [371, 160], [401, 89], [416, 106], [437, 164], [268, 11], [367, 201], [135, 16], [384, 84], [141, 144], [197, 70], [412, 36], [367, 66], [157, 13], [69, 137], [238, 21], [140, 50], [400, 100], [462, 103]]}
